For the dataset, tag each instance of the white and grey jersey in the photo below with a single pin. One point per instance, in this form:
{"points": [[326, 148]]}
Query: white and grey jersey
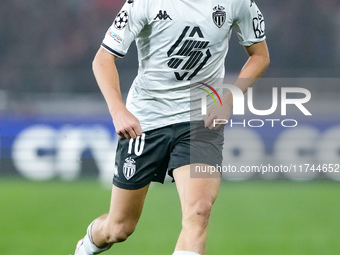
{"points": [[178, 42]]}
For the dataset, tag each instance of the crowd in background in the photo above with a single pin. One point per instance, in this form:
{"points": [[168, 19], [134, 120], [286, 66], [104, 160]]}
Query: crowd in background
{"points": [[48, 46]]}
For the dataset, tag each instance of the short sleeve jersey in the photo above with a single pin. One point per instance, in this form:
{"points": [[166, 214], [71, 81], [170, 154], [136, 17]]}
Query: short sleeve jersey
{"points": [[180, 43]]}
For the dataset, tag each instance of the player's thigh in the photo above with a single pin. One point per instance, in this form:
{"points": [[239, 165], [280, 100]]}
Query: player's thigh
{"points": [[126, 205], [193, 191]]}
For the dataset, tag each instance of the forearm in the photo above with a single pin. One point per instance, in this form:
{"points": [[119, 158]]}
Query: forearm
{"points": [[252, 70], [105, 71], [106, 74]]}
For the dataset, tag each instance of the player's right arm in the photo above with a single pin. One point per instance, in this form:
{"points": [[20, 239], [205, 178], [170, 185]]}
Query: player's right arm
{"points": [[105, 71], [124, 29]]}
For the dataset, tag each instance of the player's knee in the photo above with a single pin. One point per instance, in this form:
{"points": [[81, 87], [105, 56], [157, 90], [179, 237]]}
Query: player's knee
{"points": [[119, 233], [199, 212], [203, 208]]}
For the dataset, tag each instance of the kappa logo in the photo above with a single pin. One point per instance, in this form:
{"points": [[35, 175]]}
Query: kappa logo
{"points": [[129, 168], [115, 172], [252, 2], [219, 16], [162, 15]]}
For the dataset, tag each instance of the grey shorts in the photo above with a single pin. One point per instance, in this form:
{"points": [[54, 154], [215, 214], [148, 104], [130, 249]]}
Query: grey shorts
{"points": [[158, 152]]}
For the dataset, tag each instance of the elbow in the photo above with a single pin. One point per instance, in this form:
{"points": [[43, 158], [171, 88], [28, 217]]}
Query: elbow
{"points": [[98, 62], [265, 60], [95, 62], [101, 59], [262, 62]]}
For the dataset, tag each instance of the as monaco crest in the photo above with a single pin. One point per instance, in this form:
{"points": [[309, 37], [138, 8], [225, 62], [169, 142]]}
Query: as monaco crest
{"points": [[129, 168], [219, 16]]}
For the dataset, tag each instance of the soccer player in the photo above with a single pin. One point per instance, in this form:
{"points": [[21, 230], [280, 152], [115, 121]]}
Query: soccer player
{"points": [[181, 44]]}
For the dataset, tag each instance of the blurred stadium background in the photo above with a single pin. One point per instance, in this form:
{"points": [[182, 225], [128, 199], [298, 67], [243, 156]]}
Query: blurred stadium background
{"points": [[57, 142]]}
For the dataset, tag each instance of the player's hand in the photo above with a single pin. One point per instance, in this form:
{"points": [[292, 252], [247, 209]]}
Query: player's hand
{"points": [[126, 124], [217, 112]]}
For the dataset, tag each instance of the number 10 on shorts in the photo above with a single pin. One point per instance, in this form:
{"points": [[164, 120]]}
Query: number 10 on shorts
{"points": [[139, 145]]}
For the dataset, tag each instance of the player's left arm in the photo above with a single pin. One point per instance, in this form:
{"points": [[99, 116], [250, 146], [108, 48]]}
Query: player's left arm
{"points": [[256, 65], [250, 29], [253, 69]]}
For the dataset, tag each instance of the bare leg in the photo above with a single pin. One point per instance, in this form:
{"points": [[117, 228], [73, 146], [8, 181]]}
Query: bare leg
{"points": [[197, 196], [125, 211]]}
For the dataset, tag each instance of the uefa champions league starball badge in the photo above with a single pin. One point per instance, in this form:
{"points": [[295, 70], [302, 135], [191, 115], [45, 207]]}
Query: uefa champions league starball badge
{"points": [[121, 20]]}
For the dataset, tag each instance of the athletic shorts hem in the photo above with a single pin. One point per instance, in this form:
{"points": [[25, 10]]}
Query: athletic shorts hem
{"points": [[132, 186]]}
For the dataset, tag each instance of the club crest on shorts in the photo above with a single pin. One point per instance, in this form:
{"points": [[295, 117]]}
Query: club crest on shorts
{"points": [[129, 168], [219, 15]]}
